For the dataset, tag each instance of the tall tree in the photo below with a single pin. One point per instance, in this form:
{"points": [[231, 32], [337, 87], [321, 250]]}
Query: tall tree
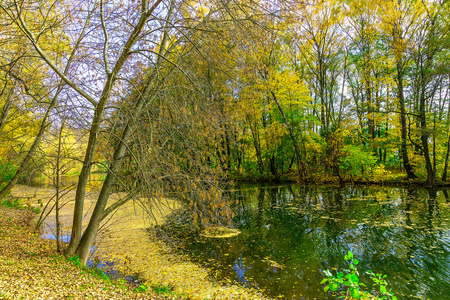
{"points": [[400, 23]]}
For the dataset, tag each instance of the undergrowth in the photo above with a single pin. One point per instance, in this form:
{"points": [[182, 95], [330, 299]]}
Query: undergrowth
{"points": [[348, 286], [16, 203], [159, 289]]}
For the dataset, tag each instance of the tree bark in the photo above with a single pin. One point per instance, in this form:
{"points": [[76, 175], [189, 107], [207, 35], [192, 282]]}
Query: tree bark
{"points": [[86, 242], [95, 129], [404, 130], [6, 108], [444, 173], [301, 164], [58, 173], [431, 174], [83, 246], [257, 146]]}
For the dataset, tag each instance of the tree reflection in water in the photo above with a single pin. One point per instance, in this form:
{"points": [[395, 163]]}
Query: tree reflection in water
{"points": [[290, 233]]}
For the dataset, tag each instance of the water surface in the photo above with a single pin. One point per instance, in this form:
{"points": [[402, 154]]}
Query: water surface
{"points": [[291, 233]]}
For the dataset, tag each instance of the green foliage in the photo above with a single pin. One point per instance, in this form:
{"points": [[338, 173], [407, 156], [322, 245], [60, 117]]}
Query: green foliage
{"points": [[356, 161], [349, 286], [7, 170], [11, 203], [75, 260], [159, 289], [15, 203], [96, 272], [142, 288], [163, 290]]}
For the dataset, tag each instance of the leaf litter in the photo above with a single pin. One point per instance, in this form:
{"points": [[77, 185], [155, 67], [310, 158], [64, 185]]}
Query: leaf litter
{"points": [[126, 243]]}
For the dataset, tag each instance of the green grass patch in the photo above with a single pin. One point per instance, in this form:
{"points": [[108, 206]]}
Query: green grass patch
{"points": [[16, 203], [96, 272]]}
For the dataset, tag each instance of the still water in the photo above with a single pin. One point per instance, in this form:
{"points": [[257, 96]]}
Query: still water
{"points": [[66, 181], [291, 233]]}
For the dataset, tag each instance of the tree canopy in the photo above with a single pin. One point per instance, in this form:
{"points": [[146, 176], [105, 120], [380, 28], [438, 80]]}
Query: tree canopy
{"points": [[175, 98]]}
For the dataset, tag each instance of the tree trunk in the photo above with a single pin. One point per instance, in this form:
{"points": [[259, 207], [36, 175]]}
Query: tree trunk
{"points": [[83, 246], [84, 176], [6, 108], [431, 178], [36, 142], [301, 164], [86, 242], [95, 126], [404, 151], [58, 172], [424, 134], [444, 173], [257, 146]]}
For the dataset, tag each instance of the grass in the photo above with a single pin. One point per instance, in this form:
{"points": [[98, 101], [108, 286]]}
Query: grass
{"points": [[17, 204]]}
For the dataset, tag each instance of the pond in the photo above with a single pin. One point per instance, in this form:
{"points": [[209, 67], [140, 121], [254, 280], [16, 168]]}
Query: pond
{"points": [[66, 181], [290, 234]]}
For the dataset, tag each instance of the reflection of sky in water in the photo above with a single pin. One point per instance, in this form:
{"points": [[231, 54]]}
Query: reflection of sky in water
{"points": [[107, 267], [51, 236], [239, 268]]}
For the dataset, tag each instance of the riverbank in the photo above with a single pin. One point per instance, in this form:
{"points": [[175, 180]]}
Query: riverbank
{"points": [[393, 180], [30, 268], [125, 244]]}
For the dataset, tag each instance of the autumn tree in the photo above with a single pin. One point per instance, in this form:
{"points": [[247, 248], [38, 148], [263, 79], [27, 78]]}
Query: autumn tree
{"points": [[319, 41], [31, 78], [133, 34]]}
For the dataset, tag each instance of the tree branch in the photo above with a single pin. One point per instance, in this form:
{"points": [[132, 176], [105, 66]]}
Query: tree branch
{"points": [[105, 45], [44, 56]]}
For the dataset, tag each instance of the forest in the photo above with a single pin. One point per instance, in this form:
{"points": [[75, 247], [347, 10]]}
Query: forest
{"points": [[178, 98]]}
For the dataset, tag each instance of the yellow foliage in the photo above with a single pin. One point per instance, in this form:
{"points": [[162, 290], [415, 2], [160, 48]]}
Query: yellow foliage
{"points": [[380, 173]]}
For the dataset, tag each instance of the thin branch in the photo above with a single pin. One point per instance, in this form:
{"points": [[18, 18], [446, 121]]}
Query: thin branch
{"points": [[105, 45], [44, 56]]}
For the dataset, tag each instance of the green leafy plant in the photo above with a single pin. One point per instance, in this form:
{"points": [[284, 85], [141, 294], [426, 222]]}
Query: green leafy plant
{"points": [[141, 288], [15, 203], [96, 272], [7, 170], [75, 260], [11, 203], [348, 285], [357, 161], [163, 290]]}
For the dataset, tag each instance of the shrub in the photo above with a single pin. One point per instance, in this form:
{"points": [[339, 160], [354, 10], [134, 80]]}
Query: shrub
{"points": [[357, 162], [349, 286]]}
